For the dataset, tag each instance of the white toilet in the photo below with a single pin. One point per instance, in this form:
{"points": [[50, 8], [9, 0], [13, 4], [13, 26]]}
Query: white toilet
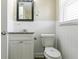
{"points": [[48, 41]]}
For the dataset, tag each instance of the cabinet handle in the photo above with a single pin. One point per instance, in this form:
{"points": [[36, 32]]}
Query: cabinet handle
{"points": [[21, 42]]}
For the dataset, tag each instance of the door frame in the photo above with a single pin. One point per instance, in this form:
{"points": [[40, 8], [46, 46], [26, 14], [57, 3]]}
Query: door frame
{"points": [[4, 50]]}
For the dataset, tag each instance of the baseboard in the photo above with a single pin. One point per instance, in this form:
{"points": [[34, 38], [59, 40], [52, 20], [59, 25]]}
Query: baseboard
{"points": [[39, 55]]}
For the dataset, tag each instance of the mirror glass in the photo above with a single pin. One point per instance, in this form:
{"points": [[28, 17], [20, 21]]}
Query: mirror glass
{"points": [[25, 11]]}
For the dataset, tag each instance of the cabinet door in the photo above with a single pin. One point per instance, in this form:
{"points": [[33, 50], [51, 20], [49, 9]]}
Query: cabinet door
{"points": [[20, 50], [15, 50], [27, 50]]}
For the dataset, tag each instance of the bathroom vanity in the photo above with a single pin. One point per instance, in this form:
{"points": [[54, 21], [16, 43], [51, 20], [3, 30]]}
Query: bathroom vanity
{"points": [[20, 45]]}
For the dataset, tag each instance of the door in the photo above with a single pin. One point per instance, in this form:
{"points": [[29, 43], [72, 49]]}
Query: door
{"points": [[3, 29], [20, 50]]}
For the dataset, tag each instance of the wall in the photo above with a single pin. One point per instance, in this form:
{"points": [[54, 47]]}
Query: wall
{"points": [[44, 20], [67, 35], [43, 10], [46, 9], [70, 10]]}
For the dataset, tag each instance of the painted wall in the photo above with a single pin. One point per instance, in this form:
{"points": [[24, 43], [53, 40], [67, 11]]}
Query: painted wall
{"points": [[43, 10], [44, 20], [70, 10], [67, 34], [46, 9]]}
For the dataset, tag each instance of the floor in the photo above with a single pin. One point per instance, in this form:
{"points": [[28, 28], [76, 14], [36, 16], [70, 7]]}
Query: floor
{"points": [[39, 58]]}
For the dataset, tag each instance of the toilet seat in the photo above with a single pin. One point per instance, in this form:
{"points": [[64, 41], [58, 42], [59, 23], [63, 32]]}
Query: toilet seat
{"points": [[52, 52]]}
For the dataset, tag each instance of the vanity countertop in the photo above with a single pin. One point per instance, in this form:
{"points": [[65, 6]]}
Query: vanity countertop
{"points": [[20, 32]]}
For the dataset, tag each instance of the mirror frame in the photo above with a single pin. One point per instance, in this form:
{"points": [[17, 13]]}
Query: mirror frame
{"points": [[25, 19]]}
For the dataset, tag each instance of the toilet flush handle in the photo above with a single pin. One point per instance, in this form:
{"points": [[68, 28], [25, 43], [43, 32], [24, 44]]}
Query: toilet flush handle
{"points": [[35, 38]]}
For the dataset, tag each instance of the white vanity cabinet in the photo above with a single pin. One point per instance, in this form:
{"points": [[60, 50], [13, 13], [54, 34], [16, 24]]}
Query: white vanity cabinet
{"points": [[20, 46]]}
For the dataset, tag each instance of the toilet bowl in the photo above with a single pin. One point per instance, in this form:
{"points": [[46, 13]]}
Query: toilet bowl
{"points": [[52, 53]]}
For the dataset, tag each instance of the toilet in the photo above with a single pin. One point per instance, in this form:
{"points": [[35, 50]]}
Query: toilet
{"points": [[48, 42]]}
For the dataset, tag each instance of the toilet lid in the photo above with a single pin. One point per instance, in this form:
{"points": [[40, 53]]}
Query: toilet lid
{"points": [[52, 52]]}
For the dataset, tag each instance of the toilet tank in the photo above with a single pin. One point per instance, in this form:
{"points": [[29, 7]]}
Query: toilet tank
{"points": [[48, 40]]}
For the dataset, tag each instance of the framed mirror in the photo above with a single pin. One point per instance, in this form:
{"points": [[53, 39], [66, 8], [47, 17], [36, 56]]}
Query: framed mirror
{"points": [[25, 11]]}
